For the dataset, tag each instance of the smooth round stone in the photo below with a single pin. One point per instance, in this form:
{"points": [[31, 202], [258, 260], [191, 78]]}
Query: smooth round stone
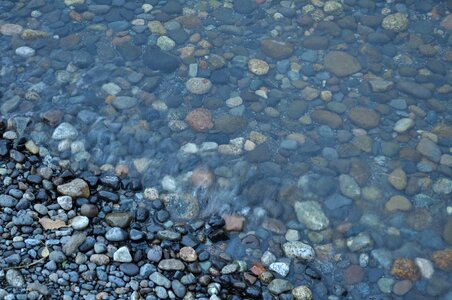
{"points": [[10, 29], [122, 255], [400, 288], [129, 269], [89, 210], [25, 51], [198, 85], [398, 179], [160, 279], [276, 49], [79, 222], [398, 203], [199, 119], [169, 183], [360, 242], [234, 101], [364, 117], [116, 234], [385, 284], [403, 125], [258, 66]]}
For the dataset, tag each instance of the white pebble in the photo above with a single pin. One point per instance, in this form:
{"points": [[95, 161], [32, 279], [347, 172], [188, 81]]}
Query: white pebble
{"points": [[169, 183], [25, 51]]}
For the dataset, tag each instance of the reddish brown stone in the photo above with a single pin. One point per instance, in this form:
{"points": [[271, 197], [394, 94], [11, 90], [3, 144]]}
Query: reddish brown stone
{"points": [[257, 269], [353, 274], [447, 22], [53, 117], [443, 259], [199, 119], [202, 178], [234, 223], [404, 268]]}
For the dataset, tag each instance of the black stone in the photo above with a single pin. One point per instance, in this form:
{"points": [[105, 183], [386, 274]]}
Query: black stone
{"points": [[108, 196], [141, 214], [157, 59]]}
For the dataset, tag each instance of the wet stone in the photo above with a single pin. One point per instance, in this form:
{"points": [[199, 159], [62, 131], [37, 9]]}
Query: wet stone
{"points": [[404, 268], [124, 102], [64, 131], [157, 59], [77, 188], [279, 286], [429, 149], [341, 64], [395, 22], [400, 288], [276, 49], [353, 275], [299, 250], [364, 117], [302, 292], [360, 242], [310, 214], [198, 85]]}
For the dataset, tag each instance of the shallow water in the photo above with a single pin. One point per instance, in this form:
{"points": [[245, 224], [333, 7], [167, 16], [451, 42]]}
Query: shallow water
{"points": [[343, 108]]}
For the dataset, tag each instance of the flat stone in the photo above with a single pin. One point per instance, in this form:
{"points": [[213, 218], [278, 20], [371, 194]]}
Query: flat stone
{"points": [[157, 59], [414, 89], [281, 268], [403, 125], [425, 267], [171, 265], [100, 259], [364, 117], [353, 275], [77, 188], [65, 202], [73, 243], [429, 149], [25, 51], [234, 223], [160, 279], [299, 250], [325, 117], [341, 63], [310, 213], [400, 288], [276, 49]]}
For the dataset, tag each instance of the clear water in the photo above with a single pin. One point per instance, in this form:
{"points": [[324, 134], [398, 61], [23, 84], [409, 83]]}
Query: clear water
{"points": [[93, 53]]}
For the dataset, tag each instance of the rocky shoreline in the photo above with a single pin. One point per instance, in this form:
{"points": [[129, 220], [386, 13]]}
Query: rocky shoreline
{"points": [[74, 236]]}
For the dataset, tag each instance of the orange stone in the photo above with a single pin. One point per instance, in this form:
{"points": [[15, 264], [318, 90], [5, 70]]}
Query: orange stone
{"points": [[199, 119], [443, 259], [109, 99], [234, 223], [202, 178], [75, 16], [404, 268], [257, 269]]}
